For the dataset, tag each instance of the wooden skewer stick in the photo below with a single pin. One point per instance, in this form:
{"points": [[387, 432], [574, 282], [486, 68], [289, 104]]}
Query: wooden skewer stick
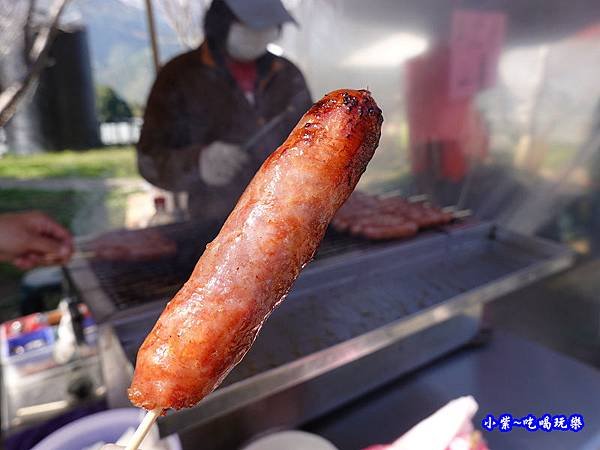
{"points": [[143, 429], [461, 214], [88, 254], [420, 198], [457, 213], [80, 254]]}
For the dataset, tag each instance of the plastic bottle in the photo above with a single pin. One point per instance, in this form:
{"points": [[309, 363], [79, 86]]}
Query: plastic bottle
{"points": [[161, 216]]}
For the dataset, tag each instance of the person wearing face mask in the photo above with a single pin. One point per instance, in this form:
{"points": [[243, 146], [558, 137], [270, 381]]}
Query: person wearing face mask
{"points": [[215, 113]]}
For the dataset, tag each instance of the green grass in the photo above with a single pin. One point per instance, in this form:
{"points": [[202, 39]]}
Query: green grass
{"points": [[82, 212], [62, 205], [110, 162]]}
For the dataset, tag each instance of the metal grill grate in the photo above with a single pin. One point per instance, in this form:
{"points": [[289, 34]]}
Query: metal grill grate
{"points": [[130, 284]]}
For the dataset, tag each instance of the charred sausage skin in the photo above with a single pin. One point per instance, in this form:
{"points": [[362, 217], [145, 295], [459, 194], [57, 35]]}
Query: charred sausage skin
{"points": [[272, 233]]}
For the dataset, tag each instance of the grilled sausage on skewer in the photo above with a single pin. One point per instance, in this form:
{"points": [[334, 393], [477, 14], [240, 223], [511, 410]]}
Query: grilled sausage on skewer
{"points": [[246, 271]]}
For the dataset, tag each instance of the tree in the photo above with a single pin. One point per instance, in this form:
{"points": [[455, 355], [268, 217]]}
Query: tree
{"points": [[137, 109], [16, 31], [111, 107]]}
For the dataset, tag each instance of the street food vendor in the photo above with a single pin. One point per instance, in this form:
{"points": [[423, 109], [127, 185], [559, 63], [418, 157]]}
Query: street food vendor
{"points": [[215, 113]]}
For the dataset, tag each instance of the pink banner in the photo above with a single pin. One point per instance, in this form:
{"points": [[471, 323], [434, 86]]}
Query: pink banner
{"points": [[475, 45]]}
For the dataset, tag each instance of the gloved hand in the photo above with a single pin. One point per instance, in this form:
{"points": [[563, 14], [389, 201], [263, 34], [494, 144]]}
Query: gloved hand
{"points": [[220, 162]]}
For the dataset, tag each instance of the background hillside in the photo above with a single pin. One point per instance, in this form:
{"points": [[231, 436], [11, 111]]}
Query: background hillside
{"points": [[119, 45]]}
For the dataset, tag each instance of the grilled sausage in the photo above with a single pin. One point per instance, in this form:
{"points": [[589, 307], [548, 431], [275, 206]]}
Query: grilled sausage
{"points": [[247, 270], [131, 246], [396, 231]]}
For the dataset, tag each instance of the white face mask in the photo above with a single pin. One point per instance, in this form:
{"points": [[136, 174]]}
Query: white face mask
{"points": [[247, 44]]}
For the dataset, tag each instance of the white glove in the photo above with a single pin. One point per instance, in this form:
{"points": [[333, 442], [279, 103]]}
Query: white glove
{"points": [[220, 162]]}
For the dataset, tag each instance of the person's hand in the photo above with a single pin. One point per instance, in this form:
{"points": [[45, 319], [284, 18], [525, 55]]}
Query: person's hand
{"points": [[220, 162], [32, 239]]}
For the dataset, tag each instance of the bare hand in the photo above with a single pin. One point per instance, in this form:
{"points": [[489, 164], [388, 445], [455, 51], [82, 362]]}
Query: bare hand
{"points": [[33, 239]]}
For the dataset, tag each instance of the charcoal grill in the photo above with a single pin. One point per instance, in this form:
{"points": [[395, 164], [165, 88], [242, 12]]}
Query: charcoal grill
{"points": [[361, 315]]}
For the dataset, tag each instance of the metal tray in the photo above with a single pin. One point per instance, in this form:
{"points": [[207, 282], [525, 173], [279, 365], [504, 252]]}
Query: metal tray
{"points": [[353, 323]]}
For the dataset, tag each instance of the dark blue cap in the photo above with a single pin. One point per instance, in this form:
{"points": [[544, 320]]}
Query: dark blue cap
{"points": [[260, 14]]}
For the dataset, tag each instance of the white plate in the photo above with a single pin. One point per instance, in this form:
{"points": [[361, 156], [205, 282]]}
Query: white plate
{"points": [[105, 426], [291, 440]]}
